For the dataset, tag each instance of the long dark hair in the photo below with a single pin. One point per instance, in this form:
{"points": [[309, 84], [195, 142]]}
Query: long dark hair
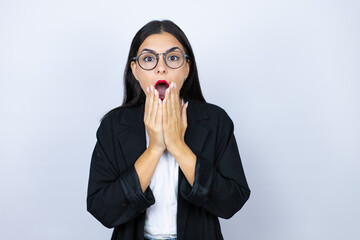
{"points": [[133, 94]]}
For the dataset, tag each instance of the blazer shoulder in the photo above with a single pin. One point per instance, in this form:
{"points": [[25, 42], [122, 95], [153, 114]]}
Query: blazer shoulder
{"points": [[122, 115], [214, 111]]}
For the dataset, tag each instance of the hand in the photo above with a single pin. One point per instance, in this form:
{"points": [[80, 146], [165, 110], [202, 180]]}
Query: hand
{"points": [[153, 119], [174, 121]]}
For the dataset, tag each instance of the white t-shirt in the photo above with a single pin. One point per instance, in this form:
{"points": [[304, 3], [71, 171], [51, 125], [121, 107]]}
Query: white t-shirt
{"points": [[161, 217]]}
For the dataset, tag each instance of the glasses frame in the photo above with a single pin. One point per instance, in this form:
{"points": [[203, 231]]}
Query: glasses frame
{"points": [[157, 58]]}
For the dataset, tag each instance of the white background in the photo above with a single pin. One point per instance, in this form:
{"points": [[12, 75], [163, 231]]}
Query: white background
{"points": [[287, 73]]}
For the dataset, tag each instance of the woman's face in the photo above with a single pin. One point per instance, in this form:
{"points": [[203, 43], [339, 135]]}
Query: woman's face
{"points": [[160, 43]]}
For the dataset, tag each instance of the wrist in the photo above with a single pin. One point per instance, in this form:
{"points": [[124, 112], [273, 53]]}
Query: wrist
{"points": [[155, 150], [179, 149]]}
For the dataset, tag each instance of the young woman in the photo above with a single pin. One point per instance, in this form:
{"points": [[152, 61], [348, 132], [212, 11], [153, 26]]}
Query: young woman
{"points": [[166, 163]]}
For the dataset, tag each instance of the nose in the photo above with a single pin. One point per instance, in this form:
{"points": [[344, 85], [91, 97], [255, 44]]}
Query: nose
{"points": [[161, 66]]}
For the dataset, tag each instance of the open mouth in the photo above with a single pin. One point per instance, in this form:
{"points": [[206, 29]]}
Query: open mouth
{"points": [[161, 86]]}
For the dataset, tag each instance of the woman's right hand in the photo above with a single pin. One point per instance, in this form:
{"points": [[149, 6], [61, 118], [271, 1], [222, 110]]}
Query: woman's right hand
{"points": [[153, 119]]}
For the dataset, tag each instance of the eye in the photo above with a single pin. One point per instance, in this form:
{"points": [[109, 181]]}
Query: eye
{"points": [[148, 59], [173, 58]]}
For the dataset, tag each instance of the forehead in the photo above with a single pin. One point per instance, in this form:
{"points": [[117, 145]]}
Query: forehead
{"points": [[160, 42]]}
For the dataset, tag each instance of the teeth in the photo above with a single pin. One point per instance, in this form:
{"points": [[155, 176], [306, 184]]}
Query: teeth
{"points": [[162, 81]]}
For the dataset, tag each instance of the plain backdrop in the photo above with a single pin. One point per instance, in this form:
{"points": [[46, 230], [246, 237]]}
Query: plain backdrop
{"points": [[287, 73]]}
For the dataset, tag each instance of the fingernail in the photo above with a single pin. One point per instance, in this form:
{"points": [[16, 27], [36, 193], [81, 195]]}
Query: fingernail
{"points": [[175, 85], [164, 100], [187, 103], [168, 90], [147, 89], [152, 88], [155, 92], [159, 101]]}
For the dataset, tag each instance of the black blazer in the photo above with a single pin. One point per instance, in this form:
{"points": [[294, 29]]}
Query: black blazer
{"points": [[220, 188]]}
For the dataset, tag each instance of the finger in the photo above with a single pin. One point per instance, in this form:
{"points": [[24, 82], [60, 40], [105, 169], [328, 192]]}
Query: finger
{"points": [[164, 113], [175, 111], [147, 90], [184, 114], [147, 103], [159, 113], [147, 97], [168, 104], [154, 107], [150, 104]]}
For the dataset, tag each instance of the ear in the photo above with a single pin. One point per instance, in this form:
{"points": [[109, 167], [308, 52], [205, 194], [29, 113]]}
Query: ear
{"points": [[188, 64], [133, 69]]}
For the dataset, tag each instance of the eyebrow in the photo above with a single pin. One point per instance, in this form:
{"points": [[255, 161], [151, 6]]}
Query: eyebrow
{"points": [[150, 50]]}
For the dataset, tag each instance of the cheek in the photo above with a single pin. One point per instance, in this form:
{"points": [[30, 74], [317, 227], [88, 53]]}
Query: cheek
{"points": [[143, 80], [181, 77], [179, 83]]}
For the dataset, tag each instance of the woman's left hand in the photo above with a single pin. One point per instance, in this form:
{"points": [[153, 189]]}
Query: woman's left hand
{"points": [[174, 121]]}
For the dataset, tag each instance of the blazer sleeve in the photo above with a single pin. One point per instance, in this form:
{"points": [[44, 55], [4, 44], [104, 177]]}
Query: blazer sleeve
{"points": [[113, 198], [221, 188]]}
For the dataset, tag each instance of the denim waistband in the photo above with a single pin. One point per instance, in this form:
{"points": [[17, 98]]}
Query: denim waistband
{"points": [[150, 238]]}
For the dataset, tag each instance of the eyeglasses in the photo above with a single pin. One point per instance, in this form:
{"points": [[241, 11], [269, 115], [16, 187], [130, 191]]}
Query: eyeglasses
{"points": [[149, 60]]}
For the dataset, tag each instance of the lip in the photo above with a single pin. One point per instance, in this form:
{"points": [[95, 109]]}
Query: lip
{"points": [[161, 81]]}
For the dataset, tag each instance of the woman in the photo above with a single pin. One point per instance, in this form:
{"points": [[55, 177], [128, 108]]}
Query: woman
{"points": [[166, 163]]}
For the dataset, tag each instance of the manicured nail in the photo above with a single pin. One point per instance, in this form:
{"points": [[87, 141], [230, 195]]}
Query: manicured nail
{"points": [[164, 101], [152, 88], [159, 101], [147, 89], [168, 90], [155, 92], [175, 85], [186, 104]]}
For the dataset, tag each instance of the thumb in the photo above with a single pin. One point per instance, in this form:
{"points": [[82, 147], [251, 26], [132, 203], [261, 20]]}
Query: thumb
{"points": [[183, 113]]}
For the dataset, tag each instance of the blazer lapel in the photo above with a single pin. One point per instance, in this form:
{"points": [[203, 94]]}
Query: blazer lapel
{"points": [[131, 135], [195, 134], [195, 137]]}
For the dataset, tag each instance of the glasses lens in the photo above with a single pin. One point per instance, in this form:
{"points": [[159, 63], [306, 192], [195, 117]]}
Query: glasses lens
{"points": [[174, 59], [147, 60]]}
